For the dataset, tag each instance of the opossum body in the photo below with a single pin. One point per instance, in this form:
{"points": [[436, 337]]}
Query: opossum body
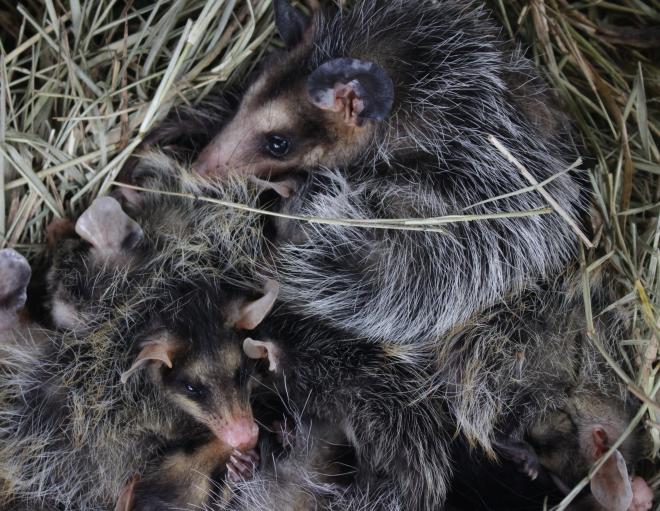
{"points": [[454, 83], [155, 316], [369, 391]]}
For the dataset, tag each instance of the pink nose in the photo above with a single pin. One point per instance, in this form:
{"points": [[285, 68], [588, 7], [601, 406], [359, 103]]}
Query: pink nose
{"points": [[241, 434]]}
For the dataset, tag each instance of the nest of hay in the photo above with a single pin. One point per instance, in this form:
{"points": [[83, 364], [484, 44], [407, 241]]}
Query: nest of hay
{"points": [[81, 82]]}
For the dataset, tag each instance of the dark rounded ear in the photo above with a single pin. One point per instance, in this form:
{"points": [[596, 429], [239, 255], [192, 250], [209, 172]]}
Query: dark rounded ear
{"points": [[290, 22], [357, 89]]}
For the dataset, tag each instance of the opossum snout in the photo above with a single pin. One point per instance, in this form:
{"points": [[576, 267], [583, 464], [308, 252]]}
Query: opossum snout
{"points": [[241, 433], [248, 146]]}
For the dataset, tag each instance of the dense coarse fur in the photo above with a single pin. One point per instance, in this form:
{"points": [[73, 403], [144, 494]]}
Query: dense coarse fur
{"points": [[510, 369], [71, 433], [491, 379], [455, 83], [370, 391], [508, 366], [313, 473]]}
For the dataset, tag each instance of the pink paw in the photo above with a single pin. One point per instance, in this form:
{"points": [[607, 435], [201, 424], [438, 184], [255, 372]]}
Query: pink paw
{"points": [[241, 466], [642, 495]]}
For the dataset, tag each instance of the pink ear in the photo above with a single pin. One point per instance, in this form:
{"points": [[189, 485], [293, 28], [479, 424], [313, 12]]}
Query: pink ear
{"points": [[347, 102], [251, 314], [610, 486], [153, 351], [125, 500], [357, 89], [263, 349], [107, 228]]}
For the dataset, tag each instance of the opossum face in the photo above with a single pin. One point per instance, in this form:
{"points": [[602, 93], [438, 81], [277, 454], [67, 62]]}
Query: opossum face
{"points": [[106, 238], [569, 442], [297, 115], [214, 386], [198, 362]]}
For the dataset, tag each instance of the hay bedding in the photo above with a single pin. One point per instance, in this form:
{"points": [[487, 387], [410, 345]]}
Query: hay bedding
{"points": [[82, 82]]}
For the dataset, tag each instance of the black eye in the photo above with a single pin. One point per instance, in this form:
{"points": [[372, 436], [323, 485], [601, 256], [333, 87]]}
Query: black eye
{"points": [[193, 390], [277, 145]]}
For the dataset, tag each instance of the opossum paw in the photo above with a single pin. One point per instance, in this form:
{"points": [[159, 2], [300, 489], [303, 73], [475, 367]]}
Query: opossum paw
{"points": [[242, 466], [642, 495], [14, 278], [528, 464], [523, 455]]}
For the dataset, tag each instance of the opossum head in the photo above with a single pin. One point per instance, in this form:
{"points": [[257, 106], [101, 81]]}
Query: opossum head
{"points": [[300, 113], [197, 361], [568, 443], [14, 278], [103, 237]]}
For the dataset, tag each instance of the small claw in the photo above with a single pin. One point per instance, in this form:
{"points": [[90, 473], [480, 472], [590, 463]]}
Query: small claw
{"points": [[250, 456], [243, 468], [232, 475]]}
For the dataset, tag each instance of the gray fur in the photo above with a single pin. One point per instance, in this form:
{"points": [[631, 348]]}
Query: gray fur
{"points": [[456, 84], [71, 435], [302, 479]]}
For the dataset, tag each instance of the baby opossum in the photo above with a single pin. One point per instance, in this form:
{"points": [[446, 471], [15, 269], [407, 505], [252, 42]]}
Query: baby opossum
{"points": [[151, 346], [369, 390], [386, 110], [524, 374], [568, 442]]}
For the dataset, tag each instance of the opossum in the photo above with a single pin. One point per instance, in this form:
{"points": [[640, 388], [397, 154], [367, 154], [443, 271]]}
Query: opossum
{"points": [[524, 374], [369, 391], [570, 441], [78, 416], [386, 110]]}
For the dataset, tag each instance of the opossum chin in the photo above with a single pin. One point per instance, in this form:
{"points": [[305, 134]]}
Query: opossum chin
{"points": [[240, 433]]}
